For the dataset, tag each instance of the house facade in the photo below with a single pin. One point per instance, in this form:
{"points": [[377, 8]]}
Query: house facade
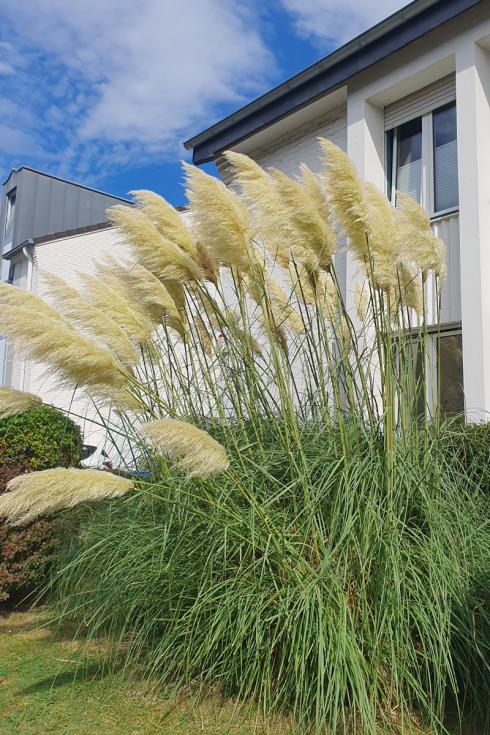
{"points": [[409, 101], [58, 227]]}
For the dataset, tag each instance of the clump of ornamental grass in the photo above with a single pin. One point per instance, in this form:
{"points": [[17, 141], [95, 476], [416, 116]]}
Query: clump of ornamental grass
{"points": [[302, 539], [293, 581]]}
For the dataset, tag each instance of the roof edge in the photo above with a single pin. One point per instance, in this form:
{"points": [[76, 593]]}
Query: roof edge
{"points": [[398, 30], [65, 181]]}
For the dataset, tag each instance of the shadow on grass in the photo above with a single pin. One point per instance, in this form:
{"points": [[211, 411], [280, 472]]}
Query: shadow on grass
{"points": [[79, 674]]}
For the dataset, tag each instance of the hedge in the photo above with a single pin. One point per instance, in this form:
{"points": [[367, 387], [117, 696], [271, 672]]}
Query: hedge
{"points": [[38, 439]]}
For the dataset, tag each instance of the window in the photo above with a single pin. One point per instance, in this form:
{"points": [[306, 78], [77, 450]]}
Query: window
{"points": [[11, 274], [9, 217], [445, 158], [422, 160], [450, 361], [443, 373], [409, 158]]}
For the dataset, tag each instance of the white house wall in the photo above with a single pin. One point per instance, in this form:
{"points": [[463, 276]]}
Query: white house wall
{"points": [[14, 369], [64, 257], [460, 47]]}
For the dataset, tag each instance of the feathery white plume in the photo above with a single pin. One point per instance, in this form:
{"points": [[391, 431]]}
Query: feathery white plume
{"points": [[16, 401], [196, 452], [38, 493]]}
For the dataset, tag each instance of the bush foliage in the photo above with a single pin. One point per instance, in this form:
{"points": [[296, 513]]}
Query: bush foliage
{"points": [[35, 440]]}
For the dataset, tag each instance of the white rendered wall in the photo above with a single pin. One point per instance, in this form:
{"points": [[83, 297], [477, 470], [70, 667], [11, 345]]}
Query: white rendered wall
{"points": [[460, 46], [473, 110], [66, 257]]}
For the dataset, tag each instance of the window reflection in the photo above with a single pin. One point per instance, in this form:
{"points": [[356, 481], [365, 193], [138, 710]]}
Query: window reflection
{"points": [[409, 158], [450, 351], [445, 158]]}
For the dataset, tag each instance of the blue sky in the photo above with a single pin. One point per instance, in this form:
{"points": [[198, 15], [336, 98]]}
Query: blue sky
{"points": [[105, 91]]}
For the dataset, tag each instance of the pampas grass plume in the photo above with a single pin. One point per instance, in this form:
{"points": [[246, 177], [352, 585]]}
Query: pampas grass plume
{"points": [[197, 453], [163, 257], [219, 218], [150, 294], [417, 241], [345, 197], [84, 313], [168, 221], [14, 401], [39, 493], [40, 333]]}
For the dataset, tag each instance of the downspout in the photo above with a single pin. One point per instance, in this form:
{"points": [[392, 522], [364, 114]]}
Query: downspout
{"points": [[27, 252]]}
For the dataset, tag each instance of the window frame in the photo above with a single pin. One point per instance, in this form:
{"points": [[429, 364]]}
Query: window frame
{"points": [[431, 368], [10, 210], [427, 184]]}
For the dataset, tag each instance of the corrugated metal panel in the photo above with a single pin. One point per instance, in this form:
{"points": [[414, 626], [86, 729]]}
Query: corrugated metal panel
{"points": [[47, 205], [421, 102]]}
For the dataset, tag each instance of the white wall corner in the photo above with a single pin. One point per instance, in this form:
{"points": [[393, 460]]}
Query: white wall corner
{"points": [[473, 118], [365, 148]]}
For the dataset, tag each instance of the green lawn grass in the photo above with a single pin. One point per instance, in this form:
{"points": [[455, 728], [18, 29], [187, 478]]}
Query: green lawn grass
{"points": [[52, 684]]}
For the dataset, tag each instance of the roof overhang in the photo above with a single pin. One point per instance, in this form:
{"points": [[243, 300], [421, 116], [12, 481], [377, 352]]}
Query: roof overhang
{"points": [[328, 74]]}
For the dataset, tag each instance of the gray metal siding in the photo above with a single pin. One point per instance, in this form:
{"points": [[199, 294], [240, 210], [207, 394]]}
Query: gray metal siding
{"points": [[46, 205]]}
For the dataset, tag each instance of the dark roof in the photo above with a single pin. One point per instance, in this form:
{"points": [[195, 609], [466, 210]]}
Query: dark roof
{"points": [[401, 28], [65, 181]]}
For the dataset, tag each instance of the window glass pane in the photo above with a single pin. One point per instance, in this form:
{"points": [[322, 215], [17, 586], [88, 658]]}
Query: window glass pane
{"points": [[445, 158], [409, 159], [389, 138], [450, 351], [9, 216]]}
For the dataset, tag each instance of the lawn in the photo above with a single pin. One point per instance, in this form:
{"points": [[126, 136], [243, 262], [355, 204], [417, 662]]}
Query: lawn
{"points": [[51, 684]]}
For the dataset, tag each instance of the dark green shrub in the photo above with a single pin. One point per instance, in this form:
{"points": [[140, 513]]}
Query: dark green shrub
{"points": [[38, 439]]}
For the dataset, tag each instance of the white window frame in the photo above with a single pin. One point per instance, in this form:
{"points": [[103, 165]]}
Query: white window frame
{"points": [[432, 388], [427, 185]]}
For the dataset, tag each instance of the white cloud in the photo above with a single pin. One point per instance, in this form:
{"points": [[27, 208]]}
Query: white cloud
{"points": [[134, 78], [337, 21]]}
